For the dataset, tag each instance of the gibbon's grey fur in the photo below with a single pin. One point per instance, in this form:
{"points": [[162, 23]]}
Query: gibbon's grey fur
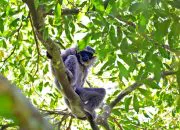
{"points": [[77, 65]]}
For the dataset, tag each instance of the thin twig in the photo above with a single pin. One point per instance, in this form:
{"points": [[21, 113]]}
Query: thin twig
{"points": [[70, 123], [55, 112], [60, 122], [89, 84], [118, 124], [10, 54], [18, 30], [66, 11], [4, 61], [37, 45]]}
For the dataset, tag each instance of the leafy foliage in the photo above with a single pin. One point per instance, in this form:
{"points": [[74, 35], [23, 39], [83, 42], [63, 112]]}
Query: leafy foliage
{"points": [[134, 40]]}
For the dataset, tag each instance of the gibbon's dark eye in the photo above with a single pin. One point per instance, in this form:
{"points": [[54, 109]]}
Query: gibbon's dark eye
{"points": [[86, 56]]}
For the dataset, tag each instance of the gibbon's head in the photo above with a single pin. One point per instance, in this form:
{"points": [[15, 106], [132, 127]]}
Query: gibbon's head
{"points": [[86, 57]]}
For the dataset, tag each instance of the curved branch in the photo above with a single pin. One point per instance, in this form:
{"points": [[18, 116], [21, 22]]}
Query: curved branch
{"points": [[134, 86], [124, 93], [102, 118]]}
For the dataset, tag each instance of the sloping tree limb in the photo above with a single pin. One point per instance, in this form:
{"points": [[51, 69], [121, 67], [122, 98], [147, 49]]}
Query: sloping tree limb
{"points": [[54, 51], [11, 105], [135, 86], [102, 119], [124, 93], [52, 48]]}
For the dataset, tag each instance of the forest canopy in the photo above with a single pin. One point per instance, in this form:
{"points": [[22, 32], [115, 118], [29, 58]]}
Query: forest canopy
{"points": [[137, 43]]}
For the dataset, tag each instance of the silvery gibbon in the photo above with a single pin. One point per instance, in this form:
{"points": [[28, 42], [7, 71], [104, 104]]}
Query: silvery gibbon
{"points": [[77, 66]]}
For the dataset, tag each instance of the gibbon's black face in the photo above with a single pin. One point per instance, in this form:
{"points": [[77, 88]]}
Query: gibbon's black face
{"points": [[86, 58]]}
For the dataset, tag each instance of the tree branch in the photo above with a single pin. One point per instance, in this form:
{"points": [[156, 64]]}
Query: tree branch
{"points": [[102, 118], [17, 101], [134, 86], [10, 54], [91, 121], [89, 84], [66, 11], [118, 124], [61, 121], [124, 93], [55, 112], [57, 62]]}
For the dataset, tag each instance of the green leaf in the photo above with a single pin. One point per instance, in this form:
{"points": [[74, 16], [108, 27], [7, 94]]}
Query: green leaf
{"points": [[143, 21], [157, 67], [151, 84], [97, 22], [98, 5], [35, 102], [57, 15], [46, 84], [83, 43], [161, 29], [136, 103], [175, 3], [145, 114], [142, 74], [45, 34], [3, 3], [82, 26], [96, 36], [3, 43], [122, 70], [103, 68], [164, 53], [46, 69], [115, 93], [144, 92], [124, 46], [72, 27], [136, 7], [31, 77], [112, 36], [67, 31], [149, 54], [127, 102], [14, 23], [22, 70], [1, 25], [127, 59], [40, 87], [116, 112]]}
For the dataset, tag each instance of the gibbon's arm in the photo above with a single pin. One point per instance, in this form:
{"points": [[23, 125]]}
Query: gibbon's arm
{"points": [[72, 69]]}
